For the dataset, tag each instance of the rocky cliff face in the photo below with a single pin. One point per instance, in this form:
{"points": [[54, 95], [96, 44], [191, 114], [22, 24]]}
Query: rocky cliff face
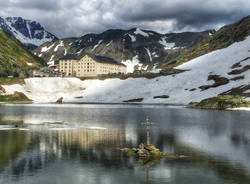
{"points": [[31, 33], [141, 49]]}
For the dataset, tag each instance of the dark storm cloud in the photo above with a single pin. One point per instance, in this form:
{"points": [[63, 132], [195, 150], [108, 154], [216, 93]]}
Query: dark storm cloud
{"points": [[77, 17]]}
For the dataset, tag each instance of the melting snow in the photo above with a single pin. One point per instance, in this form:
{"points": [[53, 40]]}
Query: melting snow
{"points": [[61, 44], [166, 44], [149, 54], [109, 43], [100, 41], [133, 38], [45, 49], [131, 64], [139, 31]]}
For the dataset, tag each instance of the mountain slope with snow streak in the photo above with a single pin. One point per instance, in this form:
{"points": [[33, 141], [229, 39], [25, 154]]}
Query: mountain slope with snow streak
{"points": [[123, 45], [31, 33], [231, 64]]}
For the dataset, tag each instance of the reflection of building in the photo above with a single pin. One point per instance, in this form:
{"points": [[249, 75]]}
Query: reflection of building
{"points": [[89, 65], [85, 138]]}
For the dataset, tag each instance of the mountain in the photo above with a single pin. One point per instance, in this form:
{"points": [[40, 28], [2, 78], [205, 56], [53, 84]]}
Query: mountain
{"points": [[222, 38], [135, 47], [223, 71], [31, 33], [14, 57]]}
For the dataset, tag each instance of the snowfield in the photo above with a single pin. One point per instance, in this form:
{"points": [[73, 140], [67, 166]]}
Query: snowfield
{"points": [[181, 88]]}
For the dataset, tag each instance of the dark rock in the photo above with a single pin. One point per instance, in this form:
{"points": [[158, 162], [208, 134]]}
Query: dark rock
{"points": [[134, 100], [218, 81], [162, 96]]}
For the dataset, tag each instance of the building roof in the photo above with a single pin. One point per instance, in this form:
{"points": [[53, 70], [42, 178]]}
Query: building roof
{"points": [[99, 59], [70, 56]]}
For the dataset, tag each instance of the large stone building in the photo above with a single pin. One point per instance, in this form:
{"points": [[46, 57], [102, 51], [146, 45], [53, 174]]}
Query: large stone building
{"points": [[89, 65]]}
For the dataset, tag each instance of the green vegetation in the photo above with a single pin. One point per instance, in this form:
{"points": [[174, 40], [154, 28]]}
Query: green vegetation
{"points": [[17, 96], [10, 81], [221, 102], [12, 144], [14, 57], [223, 38], [147, 152]]}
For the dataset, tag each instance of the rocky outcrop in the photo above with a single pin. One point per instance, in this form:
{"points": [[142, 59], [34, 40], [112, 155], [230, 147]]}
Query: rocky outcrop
{"points": [[2, 90], [221, 102], [148, 152]]}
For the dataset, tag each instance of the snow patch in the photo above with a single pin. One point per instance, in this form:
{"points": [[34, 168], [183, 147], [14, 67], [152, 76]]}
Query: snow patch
{"points": [[61, 44], [139, 31], [97, 45], [109, 43], [149, 54], [45, 49], [166, 44], [240, 109], [131, 64], [132, 37]]}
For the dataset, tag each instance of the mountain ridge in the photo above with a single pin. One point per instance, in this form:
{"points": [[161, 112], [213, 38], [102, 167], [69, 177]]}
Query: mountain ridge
{"points": [[31, 33], [141, 48], [222, 38]]}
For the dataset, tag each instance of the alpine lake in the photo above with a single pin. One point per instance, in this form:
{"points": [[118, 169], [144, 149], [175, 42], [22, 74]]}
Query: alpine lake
{"points": [[80, 144]]}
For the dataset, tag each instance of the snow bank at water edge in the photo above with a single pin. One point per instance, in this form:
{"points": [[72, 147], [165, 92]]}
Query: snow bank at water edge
{"points": [[240, 109], [48, 89]]}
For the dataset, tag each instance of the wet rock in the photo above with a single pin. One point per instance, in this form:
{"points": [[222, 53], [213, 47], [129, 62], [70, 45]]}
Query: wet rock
{"points": [[60, 100]]}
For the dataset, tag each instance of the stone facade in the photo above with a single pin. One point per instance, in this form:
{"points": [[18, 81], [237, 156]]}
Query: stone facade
{"points": [[90, 66]]}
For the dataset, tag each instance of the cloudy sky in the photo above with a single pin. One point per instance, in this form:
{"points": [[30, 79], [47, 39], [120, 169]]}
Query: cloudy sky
{"points": [[69, 18]]}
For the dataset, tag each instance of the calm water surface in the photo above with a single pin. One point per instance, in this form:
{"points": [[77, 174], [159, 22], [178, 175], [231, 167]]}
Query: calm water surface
{"points": [[76, 144]]}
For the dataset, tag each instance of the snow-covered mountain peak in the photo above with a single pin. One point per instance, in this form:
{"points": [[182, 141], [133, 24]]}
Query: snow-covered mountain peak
{"points": [[31, 33]]}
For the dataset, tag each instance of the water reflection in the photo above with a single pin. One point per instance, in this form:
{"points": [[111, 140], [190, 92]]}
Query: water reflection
{"points": [[86, 148]]}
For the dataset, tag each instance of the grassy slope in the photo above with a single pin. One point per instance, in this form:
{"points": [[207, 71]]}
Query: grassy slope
{"points": [[16, 97], [14, 57], [223, 38]]}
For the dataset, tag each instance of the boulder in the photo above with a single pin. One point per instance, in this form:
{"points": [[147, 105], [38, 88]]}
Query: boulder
{"points": [[2, 90], [60, 100]]}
